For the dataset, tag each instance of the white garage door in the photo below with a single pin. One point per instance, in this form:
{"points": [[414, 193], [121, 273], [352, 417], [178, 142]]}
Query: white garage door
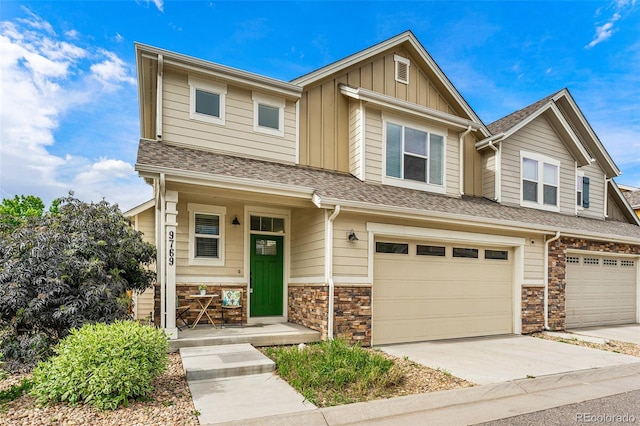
{"points": [[600, 290], [428, 291]]}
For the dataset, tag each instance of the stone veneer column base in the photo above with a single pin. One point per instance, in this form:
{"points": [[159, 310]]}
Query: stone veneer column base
{"points": [[532, 309], [353, 314], [308, 306]]}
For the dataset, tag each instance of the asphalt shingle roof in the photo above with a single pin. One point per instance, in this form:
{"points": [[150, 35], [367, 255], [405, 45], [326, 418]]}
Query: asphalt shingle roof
{"points": [[633, 197], [507, 122], [347, 188]]}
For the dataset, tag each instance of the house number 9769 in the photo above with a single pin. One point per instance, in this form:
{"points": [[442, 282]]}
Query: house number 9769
{"points": [[171, 249]]}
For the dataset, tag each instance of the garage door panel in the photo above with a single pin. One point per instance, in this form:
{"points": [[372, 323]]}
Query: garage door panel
{"points": [[429, 297], [600, 294]]}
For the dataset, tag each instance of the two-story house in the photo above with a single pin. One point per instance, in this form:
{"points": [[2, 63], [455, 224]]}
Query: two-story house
{"points": [[367, 200]]}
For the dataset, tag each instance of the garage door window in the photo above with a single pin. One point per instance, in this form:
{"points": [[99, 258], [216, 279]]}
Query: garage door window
{"points": [[591, 261], [430, 250], [470, 253], [627, 263], [610, 262], [573, 260], [396, 248], [496, 254]]}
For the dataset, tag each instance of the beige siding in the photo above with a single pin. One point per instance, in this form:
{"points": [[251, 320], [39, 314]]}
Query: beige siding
{"points": [[350, 258], [537, 137], [373, 145], [324, 121], [307, 243], [489, 174], [613, 211], [596, 192], [236, 137], [233, 242], [452, 176], [534, 258], [355, 139], [145, 223], [472, 167]]}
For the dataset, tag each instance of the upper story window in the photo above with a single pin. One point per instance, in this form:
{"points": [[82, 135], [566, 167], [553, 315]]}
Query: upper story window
{"points": [[582, 190], [401, 69], [415, 156], [268, 114], [207, 100], [206, 234], [540, 176]]}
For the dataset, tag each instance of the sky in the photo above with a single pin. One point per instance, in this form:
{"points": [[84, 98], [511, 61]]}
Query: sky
{"points": [[68, 95]]}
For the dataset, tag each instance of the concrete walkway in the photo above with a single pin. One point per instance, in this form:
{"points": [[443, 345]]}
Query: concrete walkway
{"points": [[235, 384], [624, 333]]}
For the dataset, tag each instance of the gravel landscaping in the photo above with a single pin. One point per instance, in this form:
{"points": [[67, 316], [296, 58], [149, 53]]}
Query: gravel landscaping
{"points": [[169, 404], [611, 345]]}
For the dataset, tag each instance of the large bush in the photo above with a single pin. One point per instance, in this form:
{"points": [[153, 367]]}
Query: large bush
{"points": [[103, 365], [60, 271]]}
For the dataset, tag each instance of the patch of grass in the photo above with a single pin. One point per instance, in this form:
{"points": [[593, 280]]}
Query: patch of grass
{"points": [[334, 372], [15, 391]]}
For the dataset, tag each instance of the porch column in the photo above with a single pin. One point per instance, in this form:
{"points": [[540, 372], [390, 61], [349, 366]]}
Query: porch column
{"points": [[171, 225]]}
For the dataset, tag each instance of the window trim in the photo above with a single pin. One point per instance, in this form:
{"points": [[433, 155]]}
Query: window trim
{"points": [[262, 99], [219, 211], [541, 160], [220, 89], [580, 176], [412, 184]]}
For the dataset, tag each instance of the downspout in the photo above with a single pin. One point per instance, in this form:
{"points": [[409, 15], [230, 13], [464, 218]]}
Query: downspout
{"points": [[159, 98], [546, 279], [461, 141], [606, 197], [329, 270]]}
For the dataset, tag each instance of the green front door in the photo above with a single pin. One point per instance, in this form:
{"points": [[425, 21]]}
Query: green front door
{"points": [[266, 275]]}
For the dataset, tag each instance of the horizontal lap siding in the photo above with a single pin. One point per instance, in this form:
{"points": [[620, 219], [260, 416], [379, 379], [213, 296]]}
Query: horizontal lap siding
{"points": [[534, 258], [537, 137], [145, 223], [373, 146], [307, 243], [350, 258], [452, 176], [488, 174], [355, 139], [236, 137], [596, 192]]}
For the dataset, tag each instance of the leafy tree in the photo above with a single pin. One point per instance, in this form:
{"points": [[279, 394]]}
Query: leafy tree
{"points": [[15, 211], [65, 270]]}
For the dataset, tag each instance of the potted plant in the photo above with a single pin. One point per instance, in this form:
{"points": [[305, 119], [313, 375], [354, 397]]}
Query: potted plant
{"points": [[203, 289]]}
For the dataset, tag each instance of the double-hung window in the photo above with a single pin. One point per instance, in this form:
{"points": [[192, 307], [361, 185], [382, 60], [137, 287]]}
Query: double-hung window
{"points": [[206, 234], [415, 156], [540, 177], [268, 114], [207, 100]]}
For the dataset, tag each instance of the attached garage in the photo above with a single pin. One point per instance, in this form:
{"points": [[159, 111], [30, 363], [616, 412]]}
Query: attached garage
{"points": [[601, 290], [429, 290]]}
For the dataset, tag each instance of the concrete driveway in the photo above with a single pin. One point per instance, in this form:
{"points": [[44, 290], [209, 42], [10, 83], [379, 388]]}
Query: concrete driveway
{"points": [[495, 359], [624, 333]]}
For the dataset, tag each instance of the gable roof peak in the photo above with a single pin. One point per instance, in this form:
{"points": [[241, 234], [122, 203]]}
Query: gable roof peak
{"points": [[508, 121]]}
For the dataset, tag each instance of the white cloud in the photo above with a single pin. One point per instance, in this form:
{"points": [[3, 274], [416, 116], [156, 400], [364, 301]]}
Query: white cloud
{"points": [[159, 4], [606, 30], [44, 81]]}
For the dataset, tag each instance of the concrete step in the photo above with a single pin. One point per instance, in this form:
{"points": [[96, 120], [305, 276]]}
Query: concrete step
{"points": [[218, 361]]}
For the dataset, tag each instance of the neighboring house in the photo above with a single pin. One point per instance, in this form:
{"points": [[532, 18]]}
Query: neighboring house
{"points": [[367, 200], [632, 195]]}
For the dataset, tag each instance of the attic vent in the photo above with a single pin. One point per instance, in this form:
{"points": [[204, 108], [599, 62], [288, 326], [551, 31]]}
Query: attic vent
{"points": [[402, 69]]}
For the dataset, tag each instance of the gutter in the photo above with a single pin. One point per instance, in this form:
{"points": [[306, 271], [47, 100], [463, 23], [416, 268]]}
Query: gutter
{"points": [[159, 98], [328, 268], [546, 279], [461, 156]]}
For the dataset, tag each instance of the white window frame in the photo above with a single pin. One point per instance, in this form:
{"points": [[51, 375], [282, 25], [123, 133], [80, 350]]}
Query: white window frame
{"points": [[407, 183], [579, 177], [262, 99], [219, 211], [541, 160], [398, 60], [220, 89]]}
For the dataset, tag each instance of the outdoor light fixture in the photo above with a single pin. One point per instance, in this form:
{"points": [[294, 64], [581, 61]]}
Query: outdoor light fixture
{"points": [[235, 222], [352, 236]]}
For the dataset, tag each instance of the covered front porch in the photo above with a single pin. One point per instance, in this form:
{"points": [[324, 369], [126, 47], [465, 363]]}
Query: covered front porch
{"points": [[285, 333]]}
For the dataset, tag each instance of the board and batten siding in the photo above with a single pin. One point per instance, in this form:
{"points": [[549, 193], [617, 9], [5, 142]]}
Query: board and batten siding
{"points": [[325, 112], [489, 174], [236, 137], [350, 259], [613, 211], [596, 191], [307, 243], [537, 137]]}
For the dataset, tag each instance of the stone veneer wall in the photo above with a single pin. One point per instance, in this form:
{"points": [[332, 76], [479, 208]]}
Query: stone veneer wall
{"points": [[558, 274], [308, 306], [532, 309], [353, 314]]}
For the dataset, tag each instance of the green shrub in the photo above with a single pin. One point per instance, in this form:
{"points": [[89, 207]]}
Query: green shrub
{"points": [[103, 365]]}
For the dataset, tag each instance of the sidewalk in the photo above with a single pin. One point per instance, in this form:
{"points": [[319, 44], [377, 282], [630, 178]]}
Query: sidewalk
{"points": [[470, 405]]}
